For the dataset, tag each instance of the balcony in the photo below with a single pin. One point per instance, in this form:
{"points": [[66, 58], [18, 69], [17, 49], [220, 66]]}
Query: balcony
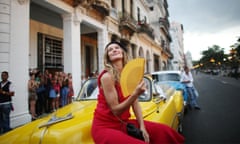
{"points": [[170, 54], [164, 23], [143, 27], [102, 6], [75, 3], [166, 50], [127, 23]]}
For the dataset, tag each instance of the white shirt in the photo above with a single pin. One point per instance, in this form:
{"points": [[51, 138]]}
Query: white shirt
{"points": [[188, 77]]}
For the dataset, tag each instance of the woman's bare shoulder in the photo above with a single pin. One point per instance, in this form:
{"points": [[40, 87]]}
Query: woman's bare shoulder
{"points": [[107, 78]]}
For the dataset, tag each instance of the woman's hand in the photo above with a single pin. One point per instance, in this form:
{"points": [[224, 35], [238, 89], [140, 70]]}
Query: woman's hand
{"points": [[145, 135], [141, 87]]}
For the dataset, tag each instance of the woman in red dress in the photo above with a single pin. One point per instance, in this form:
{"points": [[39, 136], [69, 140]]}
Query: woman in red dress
{"points": [[113, 107]]}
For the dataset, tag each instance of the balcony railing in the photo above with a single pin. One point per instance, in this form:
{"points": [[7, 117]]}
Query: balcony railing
{"points": [[127, 22], [103, 6], [84, 3], [164, 22], [145, 28], [168, 52]]}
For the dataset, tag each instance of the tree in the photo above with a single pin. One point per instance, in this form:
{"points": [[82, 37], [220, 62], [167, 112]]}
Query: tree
{"points": [[212, 57]]}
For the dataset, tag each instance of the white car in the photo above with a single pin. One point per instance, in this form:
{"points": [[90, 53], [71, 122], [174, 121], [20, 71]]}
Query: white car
{"points": [[172, 77], [166, 76]]}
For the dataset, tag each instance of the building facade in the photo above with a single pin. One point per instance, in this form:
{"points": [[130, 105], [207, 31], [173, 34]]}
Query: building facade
{"points": [[70, 35], [177, 47], [188, 59]]}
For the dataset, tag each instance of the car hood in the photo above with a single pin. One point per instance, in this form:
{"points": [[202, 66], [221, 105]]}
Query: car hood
{"points": [[67, 125], [70, 124]]}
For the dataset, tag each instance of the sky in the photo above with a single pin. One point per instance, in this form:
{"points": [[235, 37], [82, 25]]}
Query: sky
{"points": [[206, 23]]}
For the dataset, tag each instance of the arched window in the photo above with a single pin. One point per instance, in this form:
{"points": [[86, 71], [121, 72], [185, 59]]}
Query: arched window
{"points": [[140, 52]]}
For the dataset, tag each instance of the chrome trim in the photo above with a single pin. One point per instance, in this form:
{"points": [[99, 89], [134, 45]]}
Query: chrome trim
{"points": [[42, 135], [55, 120]]}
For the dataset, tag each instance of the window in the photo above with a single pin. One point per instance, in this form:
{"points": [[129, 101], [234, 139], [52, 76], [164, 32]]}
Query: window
{"points": [[113, 3], [53, 52], [123, 6], [50, 52], [166, 77], [131, 8], [138, 14]]}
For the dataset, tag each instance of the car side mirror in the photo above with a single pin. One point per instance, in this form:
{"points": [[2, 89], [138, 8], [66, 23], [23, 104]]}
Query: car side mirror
{"points": [[147, 95]]}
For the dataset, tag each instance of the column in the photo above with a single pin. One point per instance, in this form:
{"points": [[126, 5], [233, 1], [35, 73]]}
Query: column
{"points": [[72, 49], [102, 41], [18, 60]]}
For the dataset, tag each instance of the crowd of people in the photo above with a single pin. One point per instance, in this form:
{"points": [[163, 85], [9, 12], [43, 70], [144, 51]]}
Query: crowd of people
{"points": [[47, 91]]}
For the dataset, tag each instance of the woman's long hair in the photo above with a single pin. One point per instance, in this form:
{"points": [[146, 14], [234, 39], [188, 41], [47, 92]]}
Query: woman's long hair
{"points": [[109, 67]]}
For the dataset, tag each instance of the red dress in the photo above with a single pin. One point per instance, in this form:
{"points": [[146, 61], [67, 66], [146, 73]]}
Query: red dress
{"points": [[107, 128], [70, 87]]}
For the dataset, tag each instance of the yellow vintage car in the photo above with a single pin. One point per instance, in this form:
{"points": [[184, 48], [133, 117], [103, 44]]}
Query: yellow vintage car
{"points": [[71, 124]]}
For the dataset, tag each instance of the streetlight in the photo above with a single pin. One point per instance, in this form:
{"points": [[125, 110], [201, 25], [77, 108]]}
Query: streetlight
{"points": [[212, 60], [233, 52]]}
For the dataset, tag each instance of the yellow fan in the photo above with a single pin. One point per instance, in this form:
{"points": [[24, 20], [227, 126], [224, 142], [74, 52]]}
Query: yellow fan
{"points": [[131, 75]]}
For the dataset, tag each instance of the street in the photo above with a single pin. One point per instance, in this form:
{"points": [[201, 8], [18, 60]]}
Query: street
{"points": [[218, 120]]}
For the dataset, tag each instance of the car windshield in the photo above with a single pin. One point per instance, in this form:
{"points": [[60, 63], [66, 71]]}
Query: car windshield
{"points": [[158, 90], [89, 90], [166, 77]]}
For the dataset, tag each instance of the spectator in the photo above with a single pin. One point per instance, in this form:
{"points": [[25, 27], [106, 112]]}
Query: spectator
{"points": [[32, 87], [64, 93], [70, 87], [83, 79], [54, 94], [96, 73], [61, 78], [6, 93], [40, 109], [48, 86]]}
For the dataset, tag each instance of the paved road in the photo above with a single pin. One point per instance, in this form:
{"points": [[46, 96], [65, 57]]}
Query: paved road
{"points": [[218, 122]]}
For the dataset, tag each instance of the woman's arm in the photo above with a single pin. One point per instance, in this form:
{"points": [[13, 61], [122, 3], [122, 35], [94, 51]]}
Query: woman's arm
{"points": [[138, 113], [30, 85], [111, 95]]}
